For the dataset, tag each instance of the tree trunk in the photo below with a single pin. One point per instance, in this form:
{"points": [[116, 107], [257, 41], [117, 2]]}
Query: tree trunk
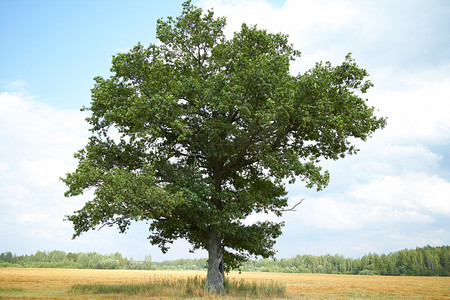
{"points": [[215, 278]]}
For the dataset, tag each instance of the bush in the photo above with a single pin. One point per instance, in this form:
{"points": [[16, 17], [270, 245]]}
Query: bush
{"points": [[4, 264], [368, 272], [109, 264]]}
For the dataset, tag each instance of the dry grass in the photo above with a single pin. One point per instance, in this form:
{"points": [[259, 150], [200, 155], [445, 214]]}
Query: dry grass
{"points": [[57, 283], [320, 286]]}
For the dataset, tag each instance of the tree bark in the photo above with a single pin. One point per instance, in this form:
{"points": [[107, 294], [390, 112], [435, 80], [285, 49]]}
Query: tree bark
{"points": [[215, 277]]}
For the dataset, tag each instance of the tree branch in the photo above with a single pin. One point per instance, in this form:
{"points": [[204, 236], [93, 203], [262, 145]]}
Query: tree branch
{"points": [[237, 163], [281, 210]]}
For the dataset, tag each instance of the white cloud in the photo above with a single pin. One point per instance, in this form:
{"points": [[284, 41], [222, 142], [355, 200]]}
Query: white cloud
{"points": [[293, 17], [38, 147], [408, 240], [385, 183], [39, 140], [13, 194], [331, 213], [17, 85], [342, 213], [45, 172], [32, 218], [379, 157], [4, 166], [419, 111], [411, 192]]}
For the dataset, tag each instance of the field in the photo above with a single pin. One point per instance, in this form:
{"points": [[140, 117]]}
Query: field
{"points": [[24, 283]]}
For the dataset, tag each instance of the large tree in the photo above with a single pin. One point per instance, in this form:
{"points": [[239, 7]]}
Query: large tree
{"points": [[197, 132]]}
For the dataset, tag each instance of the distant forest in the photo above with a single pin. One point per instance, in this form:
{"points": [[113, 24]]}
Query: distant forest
{"points": [[425, 261]]}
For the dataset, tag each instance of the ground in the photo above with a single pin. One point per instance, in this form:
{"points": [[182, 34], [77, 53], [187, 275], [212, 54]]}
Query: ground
{"points": [[55, 283]]}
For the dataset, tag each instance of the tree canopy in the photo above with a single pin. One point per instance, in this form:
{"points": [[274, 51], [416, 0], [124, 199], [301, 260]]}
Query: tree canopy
{"points": [[198, 132]]}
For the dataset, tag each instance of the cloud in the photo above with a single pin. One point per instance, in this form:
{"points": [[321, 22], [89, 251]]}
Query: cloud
{"points": [[393, 184], [17, 85], [38, 137], [293, 17], [37, 148], [409, 192], [419, 111], [341, 213], [381, 157]]}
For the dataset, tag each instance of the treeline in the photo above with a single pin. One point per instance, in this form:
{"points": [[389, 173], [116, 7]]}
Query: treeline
{"points": [[425, 261], [182, 264], [61, 259]]}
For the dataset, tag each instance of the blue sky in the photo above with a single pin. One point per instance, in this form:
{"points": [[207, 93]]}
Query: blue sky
{"points": [[394, 194]]}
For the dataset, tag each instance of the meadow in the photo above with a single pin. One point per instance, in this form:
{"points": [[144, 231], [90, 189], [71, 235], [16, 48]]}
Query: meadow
{"points": [[33, 283]]}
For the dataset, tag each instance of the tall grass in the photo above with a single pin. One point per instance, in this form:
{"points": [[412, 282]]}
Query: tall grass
{"points": [[191, 287], [252, 289]]}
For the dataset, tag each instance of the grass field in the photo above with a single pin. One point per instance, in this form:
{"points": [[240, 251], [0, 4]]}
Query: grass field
{"points": [[21, 283]]}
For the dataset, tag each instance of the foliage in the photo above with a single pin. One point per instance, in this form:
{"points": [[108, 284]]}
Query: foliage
{"points": [[181, 264], [59, 259], [424, 261], [368, 272], [198, 132]]}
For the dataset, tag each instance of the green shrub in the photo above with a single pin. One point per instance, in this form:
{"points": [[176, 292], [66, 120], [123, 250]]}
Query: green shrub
{"points": [[4, 264], [368, 272]]}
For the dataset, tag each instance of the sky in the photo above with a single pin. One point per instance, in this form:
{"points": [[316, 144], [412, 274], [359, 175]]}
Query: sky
{"points": [[394, 194]]}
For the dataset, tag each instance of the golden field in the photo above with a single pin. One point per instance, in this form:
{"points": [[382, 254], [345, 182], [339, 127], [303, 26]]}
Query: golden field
{"points": [[30, 283]]}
